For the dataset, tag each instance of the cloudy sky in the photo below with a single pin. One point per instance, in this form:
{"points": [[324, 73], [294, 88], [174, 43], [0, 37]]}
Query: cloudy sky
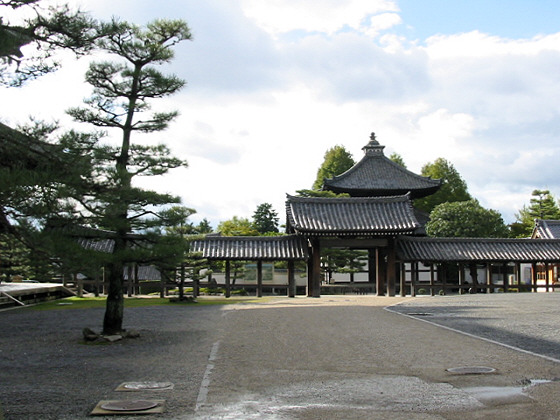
{"points": [[273, 84]]}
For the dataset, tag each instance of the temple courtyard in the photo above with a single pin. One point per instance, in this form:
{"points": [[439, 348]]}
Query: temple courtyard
{"points": [[335, 357]]}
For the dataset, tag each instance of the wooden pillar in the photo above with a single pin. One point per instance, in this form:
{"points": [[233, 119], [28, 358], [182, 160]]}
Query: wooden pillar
{"points": [[96, 292], [372, 269], [129, 283], [534, 275], [310, 273], [546, 277], [196, 287], [314, 276], [136, 280], [259, 278], [402, 278], [505, 277], [391, 268], [228, 279], [80, 283], [291, 279], [489, 278], [461, 278], [413, 273], [474, 277], [432, 280], [444, 279], [517, 272], [380, 274]]}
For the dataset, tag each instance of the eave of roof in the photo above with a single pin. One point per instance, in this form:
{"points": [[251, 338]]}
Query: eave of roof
{"points": [[350, 217], [478, 250], [252, 248], [546, 229]]}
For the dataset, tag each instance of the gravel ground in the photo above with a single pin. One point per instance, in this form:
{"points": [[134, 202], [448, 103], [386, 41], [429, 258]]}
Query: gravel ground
{"points": [[528, 321], [340, 357], [48, 373]]}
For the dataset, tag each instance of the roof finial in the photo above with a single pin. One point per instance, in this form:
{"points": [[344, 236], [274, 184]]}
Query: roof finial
{"points": [[373, 147]]}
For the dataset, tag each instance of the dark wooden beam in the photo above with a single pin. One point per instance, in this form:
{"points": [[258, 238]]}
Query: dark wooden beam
{"points": [[259, 278], [391, 269], [228, 279], [291, 279]]}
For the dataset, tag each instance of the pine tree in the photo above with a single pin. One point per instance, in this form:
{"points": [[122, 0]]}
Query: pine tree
{"points": [[337, 161], [122, 91], [265, 219], [542, 205]]}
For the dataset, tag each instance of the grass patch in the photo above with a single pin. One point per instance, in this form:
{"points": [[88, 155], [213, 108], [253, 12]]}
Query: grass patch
{"points": [[100, 302]]}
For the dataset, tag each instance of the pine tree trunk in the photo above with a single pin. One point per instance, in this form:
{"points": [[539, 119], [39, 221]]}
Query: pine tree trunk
{"points": [[114, 310]]}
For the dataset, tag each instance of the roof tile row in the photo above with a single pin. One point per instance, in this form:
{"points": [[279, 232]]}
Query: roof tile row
{"points": [[478, 250], [366, 216], [272, 248]]}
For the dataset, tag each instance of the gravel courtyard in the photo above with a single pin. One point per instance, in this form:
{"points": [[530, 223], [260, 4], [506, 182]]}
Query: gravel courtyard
{"points": [[336, 357]]}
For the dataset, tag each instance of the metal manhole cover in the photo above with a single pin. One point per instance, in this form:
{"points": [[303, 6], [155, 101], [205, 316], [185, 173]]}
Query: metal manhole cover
{"points": [[147, 385], [134, 405], [471, 370]]}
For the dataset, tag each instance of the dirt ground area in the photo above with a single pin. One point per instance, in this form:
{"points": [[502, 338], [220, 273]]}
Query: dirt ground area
{"points": [[334, 357]]}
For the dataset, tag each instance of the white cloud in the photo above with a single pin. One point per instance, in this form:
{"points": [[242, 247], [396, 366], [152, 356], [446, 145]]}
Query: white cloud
{"points": [[382, 22], [327, 16]]}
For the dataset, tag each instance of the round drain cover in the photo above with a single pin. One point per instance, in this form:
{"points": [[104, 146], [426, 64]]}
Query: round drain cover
{"points": [[471, 370], [134, 405], [147, 385]]}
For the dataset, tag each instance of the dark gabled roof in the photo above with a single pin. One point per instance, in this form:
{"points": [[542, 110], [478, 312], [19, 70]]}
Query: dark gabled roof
{"points": [[478, 250], [354, 216], [20, 150], [270, 248], [376, 175], [546, 229]]}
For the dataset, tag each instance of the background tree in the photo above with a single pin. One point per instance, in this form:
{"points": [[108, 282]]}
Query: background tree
{"points": [[265, 219], [317, 193], [203, 227], [337, 161], [122, 90], [49, 30], [395, 157], [542, 205], [237, 226], [466, 219], [453, 187]]}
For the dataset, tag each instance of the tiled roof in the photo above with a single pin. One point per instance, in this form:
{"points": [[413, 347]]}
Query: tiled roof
{"points": [[377, 175], [18, 149], [352, 216], [145, 272], [99, 245], [478, 250], [546, 229], [271, 248]]}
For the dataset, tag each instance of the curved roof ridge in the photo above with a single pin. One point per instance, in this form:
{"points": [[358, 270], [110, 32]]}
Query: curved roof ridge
{"points": [[386, 199], [466, 239]]}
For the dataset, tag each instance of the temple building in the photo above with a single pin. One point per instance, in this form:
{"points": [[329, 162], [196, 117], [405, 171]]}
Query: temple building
{"points": [[378, 176], [379, 217]]}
